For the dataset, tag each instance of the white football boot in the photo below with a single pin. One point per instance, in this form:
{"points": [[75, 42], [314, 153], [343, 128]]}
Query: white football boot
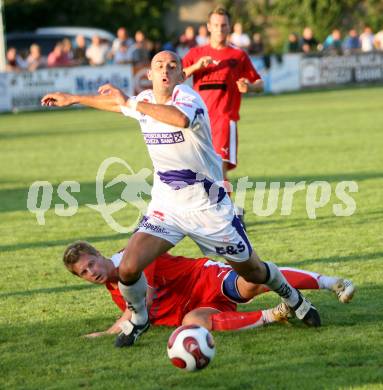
{"points": [[344, 290]]}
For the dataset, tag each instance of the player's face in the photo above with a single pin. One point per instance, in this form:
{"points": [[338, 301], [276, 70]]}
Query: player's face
{"points": [[165, 73], [91, 268], [219, 28]]}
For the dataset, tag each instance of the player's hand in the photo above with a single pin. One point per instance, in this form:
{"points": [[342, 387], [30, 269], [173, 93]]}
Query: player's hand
{"points": [[243, 85], [58, 99], [116, 93], [205, 61], [95, 334]]}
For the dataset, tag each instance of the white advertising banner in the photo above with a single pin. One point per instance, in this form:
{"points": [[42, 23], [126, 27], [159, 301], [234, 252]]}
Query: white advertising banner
{"points": [[5, 97], [347, 69], [24, 90], [282, 75], [290, 72], [27, 88], [87, 79]]}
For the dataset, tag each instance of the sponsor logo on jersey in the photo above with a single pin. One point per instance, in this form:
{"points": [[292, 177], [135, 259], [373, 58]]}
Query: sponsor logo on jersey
{"points": [[163, 138], [154, 228]]}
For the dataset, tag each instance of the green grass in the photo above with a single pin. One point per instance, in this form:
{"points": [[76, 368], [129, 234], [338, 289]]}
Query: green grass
{"points": [[44, 310]]}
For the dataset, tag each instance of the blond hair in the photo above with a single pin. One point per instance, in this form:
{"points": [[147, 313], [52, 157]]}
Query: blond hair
{"points": [[74, 251], [219, 10]]}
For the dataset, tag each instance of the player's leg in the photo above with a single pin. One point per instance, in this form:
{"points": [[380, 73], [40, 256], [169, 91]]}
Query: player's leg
{"points": [[142, 249], [297, 278], [225, 170], [201, 316], [300, 279], [213, 319], [256, 271], [228, 239], [225, 142]]}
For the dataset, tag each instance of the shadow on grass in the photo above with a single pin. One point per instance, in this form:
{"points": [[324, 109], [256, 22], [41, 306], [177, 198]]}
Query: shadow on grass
{"points": [[4, 135], [53, 243], [16, 199], [337, 259], [289, 222], [309, 178], [49, 290]]}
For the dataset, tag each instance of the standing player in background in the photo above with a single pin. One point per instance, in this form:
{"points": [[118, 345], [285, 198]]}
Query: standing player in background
{"points": [[187, 198], [183, 291], [221, 73]]}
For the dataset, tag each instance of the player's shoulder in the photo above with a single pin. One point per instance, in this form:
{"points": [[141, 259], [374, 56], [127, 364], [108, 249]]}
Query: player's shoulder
{"points": [[187, 98], [237, 51], [183, 91], [146, 95], [116, 258]]}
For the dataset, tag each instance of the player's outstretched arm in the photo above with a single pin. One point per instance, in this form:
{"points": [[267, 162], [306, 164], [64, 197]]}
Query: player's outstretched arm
{"points": [[164, 113], [115, 328], [100, 102], [161, 112]]}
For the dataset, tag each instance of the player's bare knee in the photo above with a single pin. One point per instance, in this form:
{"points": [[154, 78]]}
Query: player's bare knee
{"points": [[130, 269], [192, 319]]}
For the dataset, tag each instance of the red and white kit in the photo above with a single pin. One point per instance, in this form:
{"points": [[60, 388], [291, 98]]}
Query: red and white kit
{"points": [[180, 284], [217, 85]]}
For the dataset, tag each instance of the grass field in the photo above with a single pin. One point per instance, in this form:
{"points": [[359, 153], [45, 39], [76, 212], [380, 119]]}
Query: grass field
{"points": [[44, 310]]}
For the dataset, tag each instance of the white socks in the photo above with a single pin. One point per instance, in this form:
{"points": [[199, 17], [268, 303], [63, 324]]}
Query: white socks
{"points": [[326, 282], [135, 297], [268, 316], [278, 283]]}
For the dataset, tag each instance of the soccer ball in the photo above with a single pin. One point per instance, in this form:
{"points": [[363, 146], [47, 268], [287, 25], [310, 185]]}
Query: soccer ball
{"points": [[191, 347]]}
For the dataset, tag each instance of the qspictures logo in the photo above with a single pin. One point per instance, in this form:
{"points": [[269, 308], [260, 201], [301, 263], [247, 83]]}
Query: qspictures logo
{"points": [[266, 199], [40, 195]]}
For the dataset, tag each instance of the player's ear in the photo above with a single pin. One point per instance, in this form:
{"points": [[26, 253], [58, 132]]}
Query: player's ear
{"points": [[183, 76], [149, 74]]}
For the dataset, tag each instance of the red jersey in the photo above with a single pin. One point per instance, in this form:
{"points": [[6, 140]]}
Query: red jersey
{"points": [[216, 83], [180, 285]]}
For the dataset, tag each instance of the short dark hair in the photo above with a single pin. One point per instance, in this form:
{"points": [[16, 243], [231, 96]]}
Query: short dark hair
{"points": [[219, 10], [74, 251]]}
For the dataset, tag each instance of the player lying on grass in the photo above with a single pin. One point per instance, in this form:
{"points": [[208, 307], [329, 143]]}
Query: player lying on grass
{"points": [[194, 291]]}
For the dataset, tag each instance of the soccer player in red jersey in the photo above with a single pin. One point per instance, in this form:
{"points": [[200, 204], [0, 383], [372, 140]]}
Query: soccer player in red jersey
{"points": [[221, 73], [194, 291]]}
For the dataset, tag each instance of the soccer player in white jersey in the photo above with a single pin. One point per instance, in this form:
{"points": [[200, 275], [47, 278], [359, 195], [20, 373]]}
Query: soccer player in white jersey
{"points": [[187, 197]]}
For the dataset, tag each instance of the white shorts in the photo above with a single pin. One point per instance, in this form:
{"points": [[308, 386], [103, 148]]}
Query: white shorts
{"points": [[216, 230]]}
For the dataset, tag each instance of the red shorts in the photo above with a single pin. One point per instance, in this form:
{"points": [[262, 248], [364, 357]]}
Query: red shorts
{"points": [[207, 292], [225, 139]]}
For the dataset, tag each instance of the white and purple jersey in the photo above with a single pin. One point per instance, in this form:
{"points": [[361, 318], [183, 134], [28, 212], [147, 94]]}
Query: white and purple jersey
{"points": [[188, 172]]}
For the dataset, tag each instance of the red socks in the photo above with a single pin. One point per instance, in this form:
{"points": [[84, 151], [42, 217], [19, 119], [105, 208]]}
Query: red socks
{"points": [[234, 320]]}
